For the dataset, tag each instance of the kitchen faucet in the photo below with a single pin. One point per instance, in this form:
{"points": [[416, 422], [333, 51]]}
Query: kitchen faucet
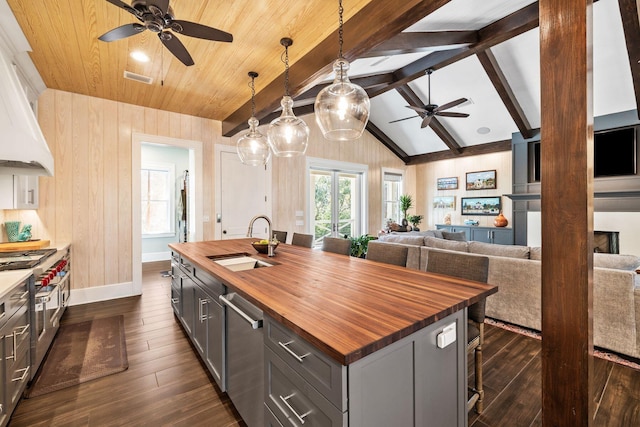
{"points": [[270, 246]]}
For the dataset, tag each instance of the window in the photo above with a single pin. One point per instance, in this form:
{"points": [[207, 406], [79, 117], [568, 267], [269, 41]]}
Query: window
{"points": [[336, 196], [391, 191], [158, 201]]}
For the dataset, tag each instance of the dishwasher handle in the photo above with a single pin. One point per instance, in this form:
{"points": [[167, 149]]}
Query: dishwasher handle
{"points": [[255, 323]]}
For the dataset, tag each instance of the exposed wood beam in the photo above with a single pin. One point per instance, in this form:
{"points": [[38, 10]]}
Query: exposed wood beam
{"points": [[391, 18], [387, 142], [422, 41], [413, 99], [500, 83], [474, 150], [510, 26], [566, 92], [631, 27]]}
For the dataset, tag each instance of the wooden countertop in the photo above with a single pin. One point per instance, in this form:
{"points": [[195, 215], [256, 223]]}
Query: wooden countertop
{"points": [[347, 307]]}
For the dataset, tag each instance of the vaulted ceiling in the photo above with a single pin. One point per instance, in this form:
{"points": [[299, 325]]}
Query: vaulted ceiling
{"points": [[486, 52]]}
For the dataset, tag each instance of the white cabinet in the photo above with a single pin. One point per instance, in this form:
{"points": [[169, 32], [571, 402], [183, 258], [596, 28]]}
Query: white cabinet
{"points": [[18, 192]]}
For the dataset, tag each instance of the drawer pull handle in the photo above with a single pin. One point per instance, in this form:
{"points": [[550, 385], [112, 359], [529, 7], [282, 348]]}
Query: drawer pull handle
{"points": [[285, 345], [300, 418], [24, 295], [25, 373], [174, 300], [203, 302]]}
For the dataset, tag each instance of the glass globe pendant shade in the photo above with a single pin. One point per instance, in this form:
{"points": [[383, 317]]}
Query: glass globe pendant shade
{"points": [[342, 108], [252, 147], [288, 135]]}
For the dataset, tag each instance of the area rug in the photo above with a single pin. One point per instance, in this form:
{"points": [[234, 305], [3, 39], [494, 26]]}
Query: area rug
{"points": [[82, 352], [601, 354]]}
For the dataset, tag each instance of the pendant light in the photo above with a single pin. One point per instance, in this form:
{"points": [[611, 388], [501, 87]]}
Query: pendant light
{"points": [[342, 108], [252, 147], [288, 135]]}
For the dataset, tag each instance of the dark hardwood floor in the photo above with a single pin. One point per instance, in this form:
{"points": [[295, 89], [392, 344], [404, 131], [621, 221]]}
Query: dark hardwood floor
{"points": [[166, 385]]}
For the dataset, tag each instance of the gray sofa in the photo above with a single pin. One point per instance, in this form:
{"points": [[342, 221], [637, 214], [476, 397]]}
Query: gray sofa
{"points": [[516, 270]]}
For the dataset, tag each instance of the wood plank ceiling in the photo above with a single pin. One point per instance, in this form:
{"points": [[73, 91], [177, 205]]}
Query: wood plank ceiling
{"points": [[63, 35]]}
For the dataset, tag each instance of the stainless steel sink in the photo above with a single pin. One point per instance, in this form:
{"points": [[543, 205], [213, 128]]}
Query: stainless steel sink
{"points": [[239, 261]]}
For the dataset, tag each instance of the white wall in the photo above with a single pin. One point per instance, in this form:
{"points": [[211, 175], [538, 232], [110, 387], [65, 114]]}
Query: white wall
{"points": [[626, 223]]}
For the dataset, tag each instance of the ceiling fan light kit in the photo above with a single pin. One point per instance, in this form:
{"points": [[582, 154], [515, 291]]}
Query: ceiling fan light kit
{"points": [[252, 146], [157, 16], [288, 136], [342, 108]]}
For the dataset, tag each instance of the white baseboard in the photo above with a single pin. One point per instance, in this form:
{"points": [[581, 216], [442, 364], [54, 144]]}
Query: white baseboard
{"points": [[156, 256], [102, 293]]}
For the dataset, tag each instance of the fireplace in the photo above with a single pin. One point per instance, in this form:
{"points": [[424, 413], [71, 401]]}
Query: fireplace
{"points": [[606, 242]]}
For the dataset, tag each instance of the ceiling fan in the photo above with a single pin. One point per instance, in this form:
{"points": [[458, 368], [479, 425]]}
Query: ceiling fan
{"points": [[430, 110], [157, 16]]}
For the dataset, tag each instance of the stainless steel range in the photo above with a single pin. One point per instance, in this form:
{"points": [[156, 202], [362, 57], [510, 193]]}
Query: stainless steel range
{"points": [[48, 297]]}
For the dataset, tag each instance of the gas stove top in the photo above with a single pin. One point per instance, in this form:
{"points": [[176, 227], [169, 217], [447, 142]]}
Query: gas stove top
{"points": [[21, 260]]}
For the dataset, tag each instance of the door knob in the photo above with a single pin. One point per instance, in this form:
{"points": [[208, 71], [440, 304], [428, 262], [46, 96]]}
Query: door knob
{"points": [[224, 231]]}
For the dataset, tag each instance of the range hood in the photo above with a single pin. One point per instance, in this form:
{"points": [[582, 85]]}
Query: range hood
{"points": [[23, 149]]}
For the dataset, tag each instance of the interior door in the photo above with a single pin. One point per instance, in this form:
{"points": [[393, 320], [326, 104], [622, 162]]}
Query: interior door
{"points": [[243, 194]]}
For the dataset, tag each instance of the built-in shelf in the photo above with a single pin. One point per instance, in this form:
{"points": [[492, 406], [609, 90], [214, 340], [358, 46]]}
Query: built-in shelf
{"points": [[596, 195]]}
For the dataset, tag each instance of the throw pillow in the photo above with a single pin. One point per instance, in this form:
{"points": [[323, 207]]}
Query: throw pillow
{"points": [[509, 251], [460, 236], [452, 245]]}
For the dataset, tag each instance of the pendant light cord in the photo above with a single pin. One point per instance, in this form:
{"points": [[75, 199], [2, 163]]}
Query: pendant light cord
{"points": [[340, 29], [286, 70], [253, 96]]}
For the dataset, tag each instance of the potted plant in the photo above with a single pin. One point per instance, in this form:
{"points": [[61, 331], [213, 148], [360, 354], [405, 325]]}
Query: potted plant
{"points": [[415, 221], [359, 245], [406, 202]]}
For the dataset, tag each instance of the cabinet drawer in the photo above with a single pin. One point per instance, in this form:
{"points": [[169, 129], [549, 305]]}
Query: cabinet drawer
{"points": [[176, 302], [16, 298], [322, 372], [17, 377], [16, 337], [293, 401]]}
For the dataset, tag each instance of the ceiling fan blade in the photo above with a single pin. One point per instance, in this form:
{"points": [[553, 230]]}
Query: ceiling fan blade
{"points": [[451, 114], [200, 31], [451, 104], [418, 109], [127, 30], [426, 121], [176, 47], [406, 118], [123, 5]]}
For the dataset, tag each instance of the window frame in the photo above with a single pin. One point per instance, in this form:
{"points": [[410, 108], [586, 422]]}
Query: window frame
{"points": [[385, 172], [169, 168]]}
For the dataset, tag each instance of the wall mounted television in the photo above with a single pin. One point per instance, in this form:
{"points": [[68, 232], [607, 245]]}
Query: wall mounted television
{"points": [[615, 153]]}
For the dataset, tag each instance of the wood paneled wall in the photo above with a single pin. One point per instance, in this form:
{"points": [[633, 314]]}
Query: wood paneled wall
{"points": [[289, 176], [88, 201]]}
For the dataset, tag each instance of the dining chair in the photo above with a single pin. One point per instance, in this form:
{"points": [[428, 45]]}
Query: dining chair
{"points": [[389, 253], [300, 239], [280, 235], [336, 245], [475, 268]]}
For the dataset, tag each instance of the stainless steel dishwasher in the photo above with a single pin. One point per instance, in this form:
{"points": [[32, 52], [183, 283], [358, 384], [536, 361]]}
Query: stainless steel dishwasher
{"points": [[245, 358]]}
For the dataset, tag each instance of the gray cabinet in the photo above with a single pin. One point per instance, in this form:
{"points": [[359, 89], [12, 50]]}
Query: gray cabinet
{"points": [[194, 298], [18, 192], [15, 347], [502, 236], [412, 382]]}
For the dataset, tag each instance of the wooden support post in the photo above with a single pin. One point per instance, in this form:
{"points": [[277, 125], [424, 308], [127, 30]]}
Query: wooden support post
{"points": [[567, 211]]}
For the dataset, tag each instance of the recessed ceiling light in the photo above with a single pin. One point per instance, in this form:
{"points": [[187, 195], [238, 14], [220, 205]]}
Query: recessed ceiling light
{"points": [[139, 56], [483, 130]]}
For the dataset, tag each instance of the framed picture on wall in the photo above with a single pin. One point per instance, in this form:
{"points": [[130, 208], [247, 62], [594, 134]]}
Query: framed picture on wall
{"points": [[444, 202], [484, 180], [481, 205], [448, 183]]}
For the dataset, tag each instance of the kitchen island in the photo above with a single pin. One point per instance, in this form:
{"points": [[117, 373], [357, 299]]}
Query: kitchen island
{"points": [[371, 327]]}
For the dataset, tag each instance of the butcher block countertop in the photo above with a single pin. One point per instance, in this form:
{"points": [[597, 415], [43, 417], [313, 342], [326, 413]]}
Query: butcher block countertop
{"points": [[347, 307]]}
